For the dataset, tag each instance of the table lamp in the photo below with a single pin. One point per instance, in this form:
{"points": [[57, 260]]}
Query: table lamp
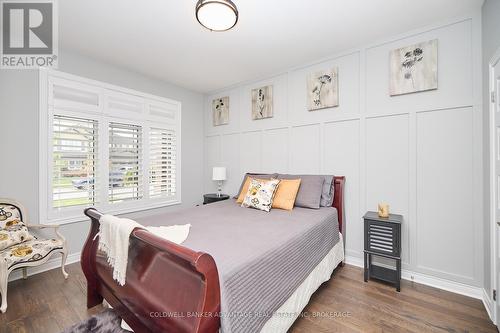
{"points": [[219, 174]]}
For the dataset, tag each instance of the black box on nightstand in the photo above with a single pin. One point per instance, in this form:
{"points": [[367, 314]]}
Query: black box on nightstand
{"points": [[383, 238]]}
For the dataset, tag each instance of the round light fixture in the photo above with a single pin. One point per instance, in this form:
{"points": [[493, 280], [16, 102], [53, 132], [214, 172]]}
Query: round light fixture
{"points": [[216, 15]]}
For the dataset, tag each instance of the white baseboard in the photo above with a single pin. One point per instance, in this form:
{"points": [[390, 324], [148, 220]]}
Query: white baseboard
{"points": [[452, 286], [488, 304], [355, 261], [52, 263], [448, 285]]}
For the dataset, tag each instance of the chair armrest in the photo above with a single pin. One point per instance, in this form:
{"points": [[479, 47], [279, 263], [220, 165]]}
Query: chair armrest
{"points": [[43, 226], [49, 226]]}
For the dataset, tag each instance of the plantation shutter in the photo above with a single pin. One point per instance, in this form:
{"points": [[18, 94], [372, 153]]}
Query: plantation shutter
{"points": [[162, 162], [106, 147], [125, 162], [74, 161]]}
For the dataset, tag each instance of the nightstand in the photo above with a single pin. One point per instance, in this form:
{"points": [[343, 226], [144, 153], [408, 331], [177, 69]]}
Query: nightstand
{"points": [[212, 197], [383, 239]]}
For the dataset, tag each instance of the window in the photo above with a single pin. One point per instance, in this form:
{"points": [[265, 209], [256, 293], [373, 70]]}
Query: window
{"points": [[161, 163], [108, 147], [125, 162], [74, 151]]}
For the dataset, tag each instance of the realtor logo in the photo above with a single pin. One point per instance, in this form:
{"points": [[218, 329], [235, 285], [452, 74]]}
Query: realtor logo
{"points": [[29, 34]]}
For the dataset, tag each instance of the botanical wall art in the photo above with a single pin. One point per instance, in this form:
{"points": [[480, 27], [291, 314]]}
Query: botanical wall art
{"points": [[414, 68], [322, 90], [262, 102], [220, 111]]}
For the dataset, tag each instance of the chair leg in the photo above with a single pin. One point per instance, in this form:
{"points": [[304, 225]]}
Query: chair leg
{"points": [[63, 263], [25, 273], [3, 290]]}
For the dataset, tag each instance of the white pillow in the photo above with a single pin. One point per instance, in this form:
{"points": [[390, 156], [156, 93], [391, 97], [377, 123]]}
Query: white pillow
{"points": [[260, 194]]}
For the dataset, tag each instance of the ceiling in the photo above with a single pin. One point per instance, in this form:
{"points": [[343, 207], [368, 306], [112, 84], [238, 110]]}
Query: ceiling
{"points": [[162, 39]]}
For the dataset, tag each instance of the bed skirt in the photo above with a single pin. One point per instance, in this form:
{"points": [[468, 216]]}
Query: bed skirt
{"points": [[286, 315]]}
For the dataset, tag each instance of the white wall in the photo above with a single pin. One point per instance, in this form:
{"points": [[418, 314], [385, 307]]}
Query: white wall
{"points": [[491, 42], [19, 134], [421, 153]]}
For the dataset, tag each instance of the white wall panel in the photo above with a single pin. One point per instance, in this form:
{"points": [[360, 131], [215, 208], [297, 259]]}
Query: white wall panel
{"points": [[418, 152], [341, 157], [251, 152], [230, 158], [445, 193], [305, 149], [275, 146], [387, 168], [212, 158], [454, 72]]}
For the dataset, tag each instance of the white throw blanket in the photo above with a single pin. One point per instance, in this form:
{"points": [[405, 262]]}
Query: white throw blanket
{"points": [[114, 233]]}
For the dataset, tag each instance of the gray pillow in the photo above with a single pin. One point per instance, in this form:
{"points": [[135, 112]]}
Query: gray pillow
{"points": [[258, 175], [328, 192], [311, 187]]}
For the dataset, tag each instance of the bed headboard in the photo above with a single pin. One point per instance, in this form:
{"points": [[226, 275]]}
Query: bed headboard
{"points": [[338, 201]]}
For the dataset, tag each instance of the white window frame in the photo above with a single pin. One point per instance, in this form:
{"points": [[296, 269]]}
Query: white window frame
{"points": [[144, 118]]}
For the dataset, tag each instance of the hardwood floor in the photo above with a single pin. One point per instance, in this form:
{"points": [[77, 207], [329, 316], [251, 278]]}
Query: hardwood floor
{"points": [[47, 303], [377, 307]]}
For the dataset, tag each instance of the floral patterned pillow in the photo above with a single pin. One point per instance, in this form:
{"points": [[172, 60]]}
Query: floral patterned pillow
{"points": [[12, 230], [260, 194]]}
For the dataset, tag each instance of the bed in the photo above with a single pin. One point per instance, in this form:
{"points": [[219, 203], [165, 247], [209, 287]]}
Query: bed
{"points": [[229, 274]]}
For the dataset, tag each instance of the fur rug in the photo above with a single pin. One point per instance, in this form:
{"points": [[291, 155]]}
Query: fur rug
{"points": [[104, 322]]}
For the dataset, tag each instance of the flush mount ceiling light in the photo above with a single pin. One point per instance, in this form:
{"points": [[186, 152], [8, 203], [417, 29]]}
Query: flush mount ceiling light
{"points": [[216, 15]]}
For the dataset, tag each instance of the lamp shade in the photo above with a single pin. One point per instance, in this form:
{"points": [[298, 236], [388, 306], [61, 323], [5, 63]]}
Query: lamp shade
{"points": [[219, 173]]}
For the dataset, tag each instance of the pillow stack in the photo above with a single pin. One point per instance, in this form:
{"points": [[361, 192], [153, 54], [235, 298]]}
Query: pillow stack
{"points": [[308, 191], [246, 183], [260, 194], [315, 190], [311, 187], [286, 194]]}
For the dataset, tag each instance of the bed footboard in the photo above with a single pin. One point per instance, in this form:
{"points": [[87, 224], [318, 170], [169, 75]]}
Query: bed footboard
{"points": [[169, 288]]}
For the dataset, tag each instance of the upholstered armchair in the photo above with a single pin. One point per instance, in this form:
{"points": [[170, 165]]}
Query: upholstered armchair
{"points": [[19, 248]]}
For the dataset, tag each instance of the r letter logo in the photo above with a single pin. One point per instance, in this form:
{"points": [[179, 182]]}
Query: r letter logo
{"points": [[29, 34]]}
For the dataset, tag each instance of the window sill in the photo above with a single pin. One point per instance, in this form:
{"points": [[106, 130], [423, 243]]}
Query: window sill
{"points": [[119, 211]]}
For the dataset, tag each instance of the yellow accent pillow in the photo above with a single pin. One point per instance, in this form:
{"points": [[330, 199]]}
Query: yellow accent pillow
{"points": [[286, 194], [245, 187]]}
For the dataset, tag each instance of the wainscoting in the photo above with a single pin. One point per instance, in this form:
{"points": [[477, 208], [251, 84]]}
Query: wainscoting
{"points": [[421, 153]]}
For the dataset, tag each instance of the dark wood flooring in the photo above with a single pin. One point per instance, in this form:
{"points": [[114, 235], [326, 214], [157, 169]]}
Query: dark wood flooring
{"points": [[47, 303]]}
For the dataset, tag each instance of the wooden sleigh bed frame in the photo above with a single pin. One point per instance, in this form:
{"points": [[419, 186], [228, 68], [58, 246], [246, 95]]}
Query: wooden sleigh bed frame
{"points": [[169, 288]]}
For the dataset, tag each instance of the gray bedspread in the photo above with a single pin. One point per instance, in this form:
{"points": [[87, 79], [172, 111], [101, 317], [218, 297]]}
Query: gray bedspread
{"points": [[262, 258]]}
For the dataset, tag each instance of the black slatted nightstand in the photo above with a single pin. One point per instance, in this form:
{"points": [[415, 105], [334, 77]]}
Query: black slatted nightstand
{"points": [[383, 238], [212, 197]]}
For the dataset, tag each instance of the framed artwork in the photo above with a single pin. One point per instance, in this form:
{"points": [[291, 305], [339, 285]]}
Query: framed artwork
{"points": [[322, 89], [220, 111], [414, 68], [262, 102]]}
